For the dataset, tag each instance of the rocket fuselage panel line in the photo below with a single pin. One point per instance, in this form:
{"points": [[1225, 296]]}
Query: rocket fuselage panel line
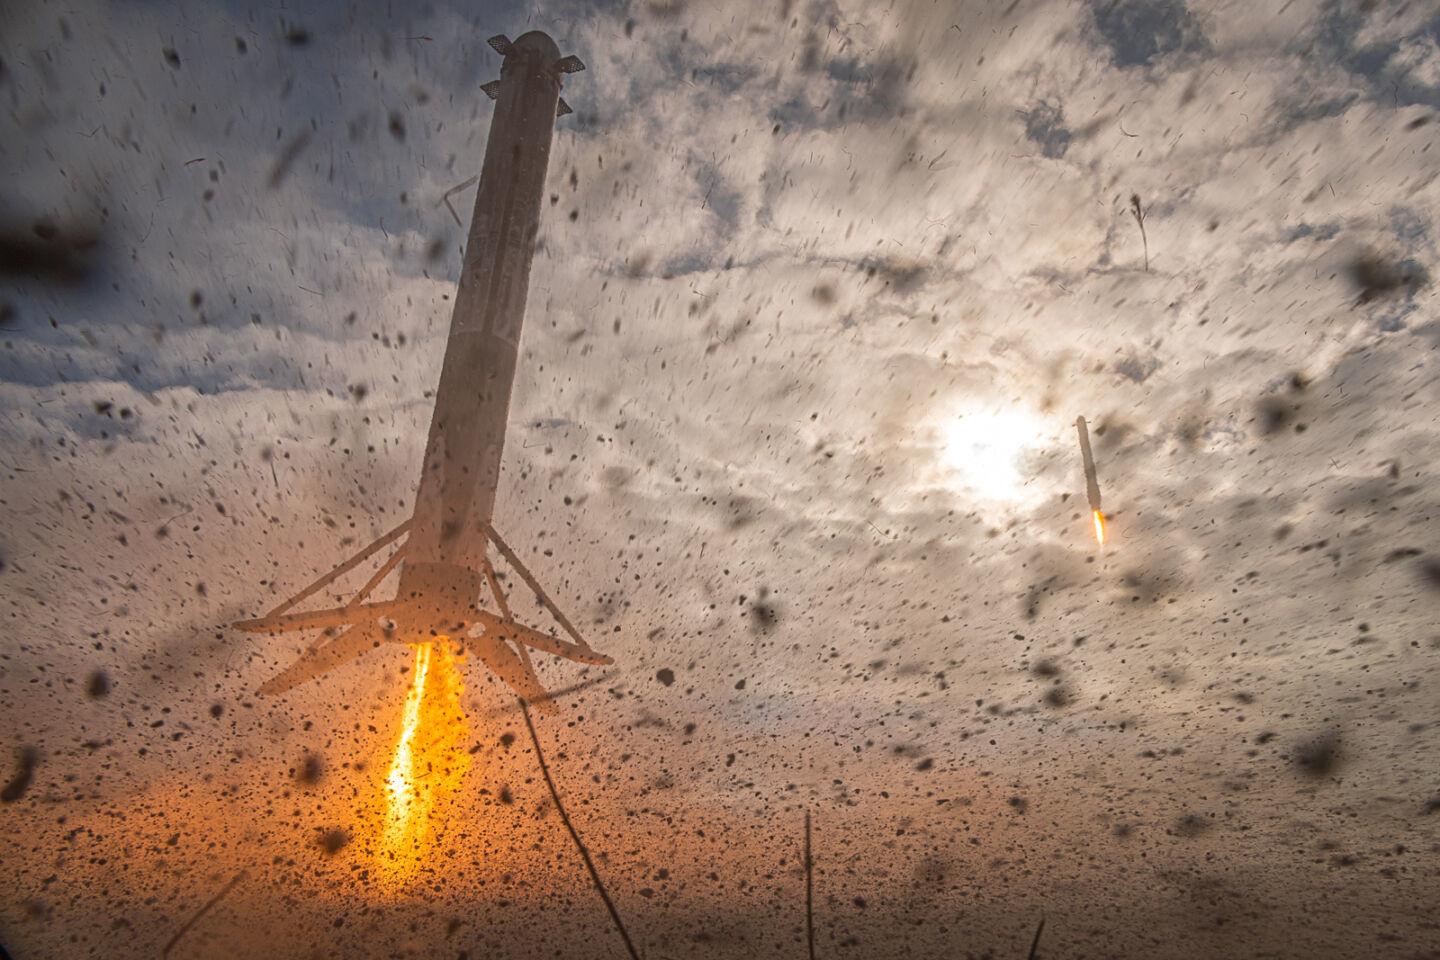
{"points": [[461, 470], [1092, 484]]}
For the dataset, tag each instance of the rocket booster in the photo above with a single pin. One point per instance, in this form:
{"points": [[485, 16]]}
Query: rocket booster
{"points": [[1092, 485], [443, 562]]}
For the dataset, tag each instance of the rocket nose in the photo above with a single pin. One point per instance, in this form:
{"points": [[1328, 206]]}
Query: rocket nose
{"points": [[539, 44]]}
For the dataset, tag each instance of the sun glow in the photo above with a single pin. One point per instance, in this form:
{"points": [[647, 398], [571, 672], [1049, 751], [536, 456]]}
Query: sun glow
{"points": [[983, 448], [429, 763]]}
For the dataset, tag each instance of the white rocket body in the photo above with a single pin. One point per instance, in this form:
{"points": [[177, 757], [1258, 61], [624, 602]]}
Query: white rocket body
{"points": [[1092, 485]]}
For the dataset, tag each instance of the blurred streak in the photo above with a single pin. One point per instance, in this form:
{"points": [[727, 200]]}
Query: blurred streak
{"points": [[47, 253]]}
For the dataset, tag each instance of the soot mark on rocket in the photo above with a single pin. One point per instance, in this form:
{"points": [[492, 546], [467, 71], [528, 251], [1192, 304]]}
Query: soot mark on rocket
{"points": [[1376, 277], [98, 686], [311, 769], [1319, 755], [28, 759], [333, 841]]}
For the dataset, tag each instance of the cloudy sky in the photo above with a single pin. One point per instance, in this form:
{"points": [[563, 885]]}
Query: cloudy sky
{"points": [[820, 290]]}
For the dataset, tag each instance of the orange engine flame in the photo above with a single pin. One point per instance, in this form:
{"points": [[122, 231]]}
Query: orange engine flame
{"points": [[429, 764], [1099, 519]]}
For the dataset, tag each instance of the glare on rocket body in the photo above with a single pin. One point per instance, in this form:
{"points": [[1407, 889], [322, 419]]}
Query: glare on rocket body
{"points": [[1092, 484]]}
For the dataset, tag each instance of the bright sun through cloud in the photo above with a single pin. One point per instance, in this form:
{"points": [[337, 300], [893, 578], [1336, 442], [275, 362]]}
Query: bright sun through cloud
{"points": [[983, 448]]}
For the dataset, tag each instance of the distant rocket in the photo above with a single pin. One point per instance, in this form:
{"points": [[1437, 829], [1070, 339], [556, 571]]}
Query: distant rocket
{"points": [[1092, 484]]}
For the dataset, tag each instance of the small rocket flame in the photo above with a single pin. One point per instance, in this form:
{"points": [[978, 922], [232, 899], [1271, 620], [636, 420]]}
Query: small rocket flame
{"points": [[430, 761], [1099, 519]]}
